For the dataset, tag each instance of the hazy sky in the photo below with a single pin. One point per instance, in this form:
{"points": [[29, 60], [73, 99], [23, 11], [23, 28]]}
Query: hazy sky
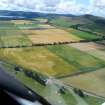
{"points": [[96, 7]]}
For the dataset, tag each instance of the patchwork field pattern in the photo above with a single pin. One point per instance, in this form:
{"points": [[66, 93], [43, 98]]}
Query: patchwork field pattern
{"points": [[25, 32], [79, 59], [11, 36], [52, 60], [93, 81], [17, 38], [38, 59]]}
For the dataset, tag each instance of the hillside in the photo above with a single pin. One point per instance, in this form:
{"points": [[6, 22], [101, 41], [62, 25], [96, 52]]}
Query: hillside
{"points": [[87, 23]]}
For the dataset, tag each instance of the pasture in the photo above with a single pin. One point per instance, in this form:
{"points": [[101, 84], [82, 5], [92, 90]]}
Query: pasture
{"points": [[83, 35], [13, 38]]}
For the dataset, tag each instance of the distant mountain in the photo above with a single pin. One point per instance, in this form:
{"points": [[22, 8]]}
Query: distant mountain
{"points": [[27, 15], [84, 22], [88, 23]]}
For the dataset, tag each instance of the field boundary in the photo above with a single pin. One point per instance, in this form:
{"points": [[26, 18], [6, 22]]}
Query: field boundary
{"points": [[52, 44], [75, 74]]}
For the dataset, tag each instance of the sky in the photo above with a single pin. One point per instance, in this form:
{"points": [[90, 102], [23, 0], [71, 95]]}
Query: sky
{"points": [[76, 7]]}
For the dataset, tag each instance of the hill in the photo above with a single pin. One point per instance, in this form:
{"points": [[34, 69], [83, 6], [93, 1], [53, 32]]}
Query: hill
{"points": [[87, 23]]}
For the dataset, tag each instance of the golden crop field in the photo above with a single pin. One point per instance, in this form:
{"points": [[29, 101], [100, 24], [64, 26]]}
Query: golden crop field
{"points": [[51, 36], [39, 59]]}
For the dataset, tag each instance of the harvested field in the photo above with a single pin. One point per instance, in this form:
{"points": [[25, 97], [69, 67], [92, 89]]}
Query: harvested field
{"points": [[51, 36], [87, 46], [93, 82]]}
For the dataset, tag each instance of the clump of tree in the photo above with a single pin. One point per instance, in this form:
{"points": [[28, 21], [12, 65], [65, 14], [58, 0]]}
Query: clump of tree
{"points": [[17, 68], [76, 26], [36, 76], [62, 90], [79, 92]]}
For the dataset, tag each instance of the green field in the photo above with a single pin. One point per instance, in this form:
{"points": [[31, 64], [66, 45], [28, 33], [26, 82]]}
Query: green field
{"points": [[99, 29], [7, 25], [84, 35], [61, 22], [27, 26], [11, 36]]}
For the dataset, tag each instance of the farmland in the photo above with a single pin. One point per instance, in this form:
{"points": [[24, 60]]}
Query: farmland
{"points": [[52, 90], [39, 59], [11, 35], [91, 48], [17, 47], [51, 36], [27, 32], [52, 60], [83, 35], [23, 33], [78, 59], [92, 82]]}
